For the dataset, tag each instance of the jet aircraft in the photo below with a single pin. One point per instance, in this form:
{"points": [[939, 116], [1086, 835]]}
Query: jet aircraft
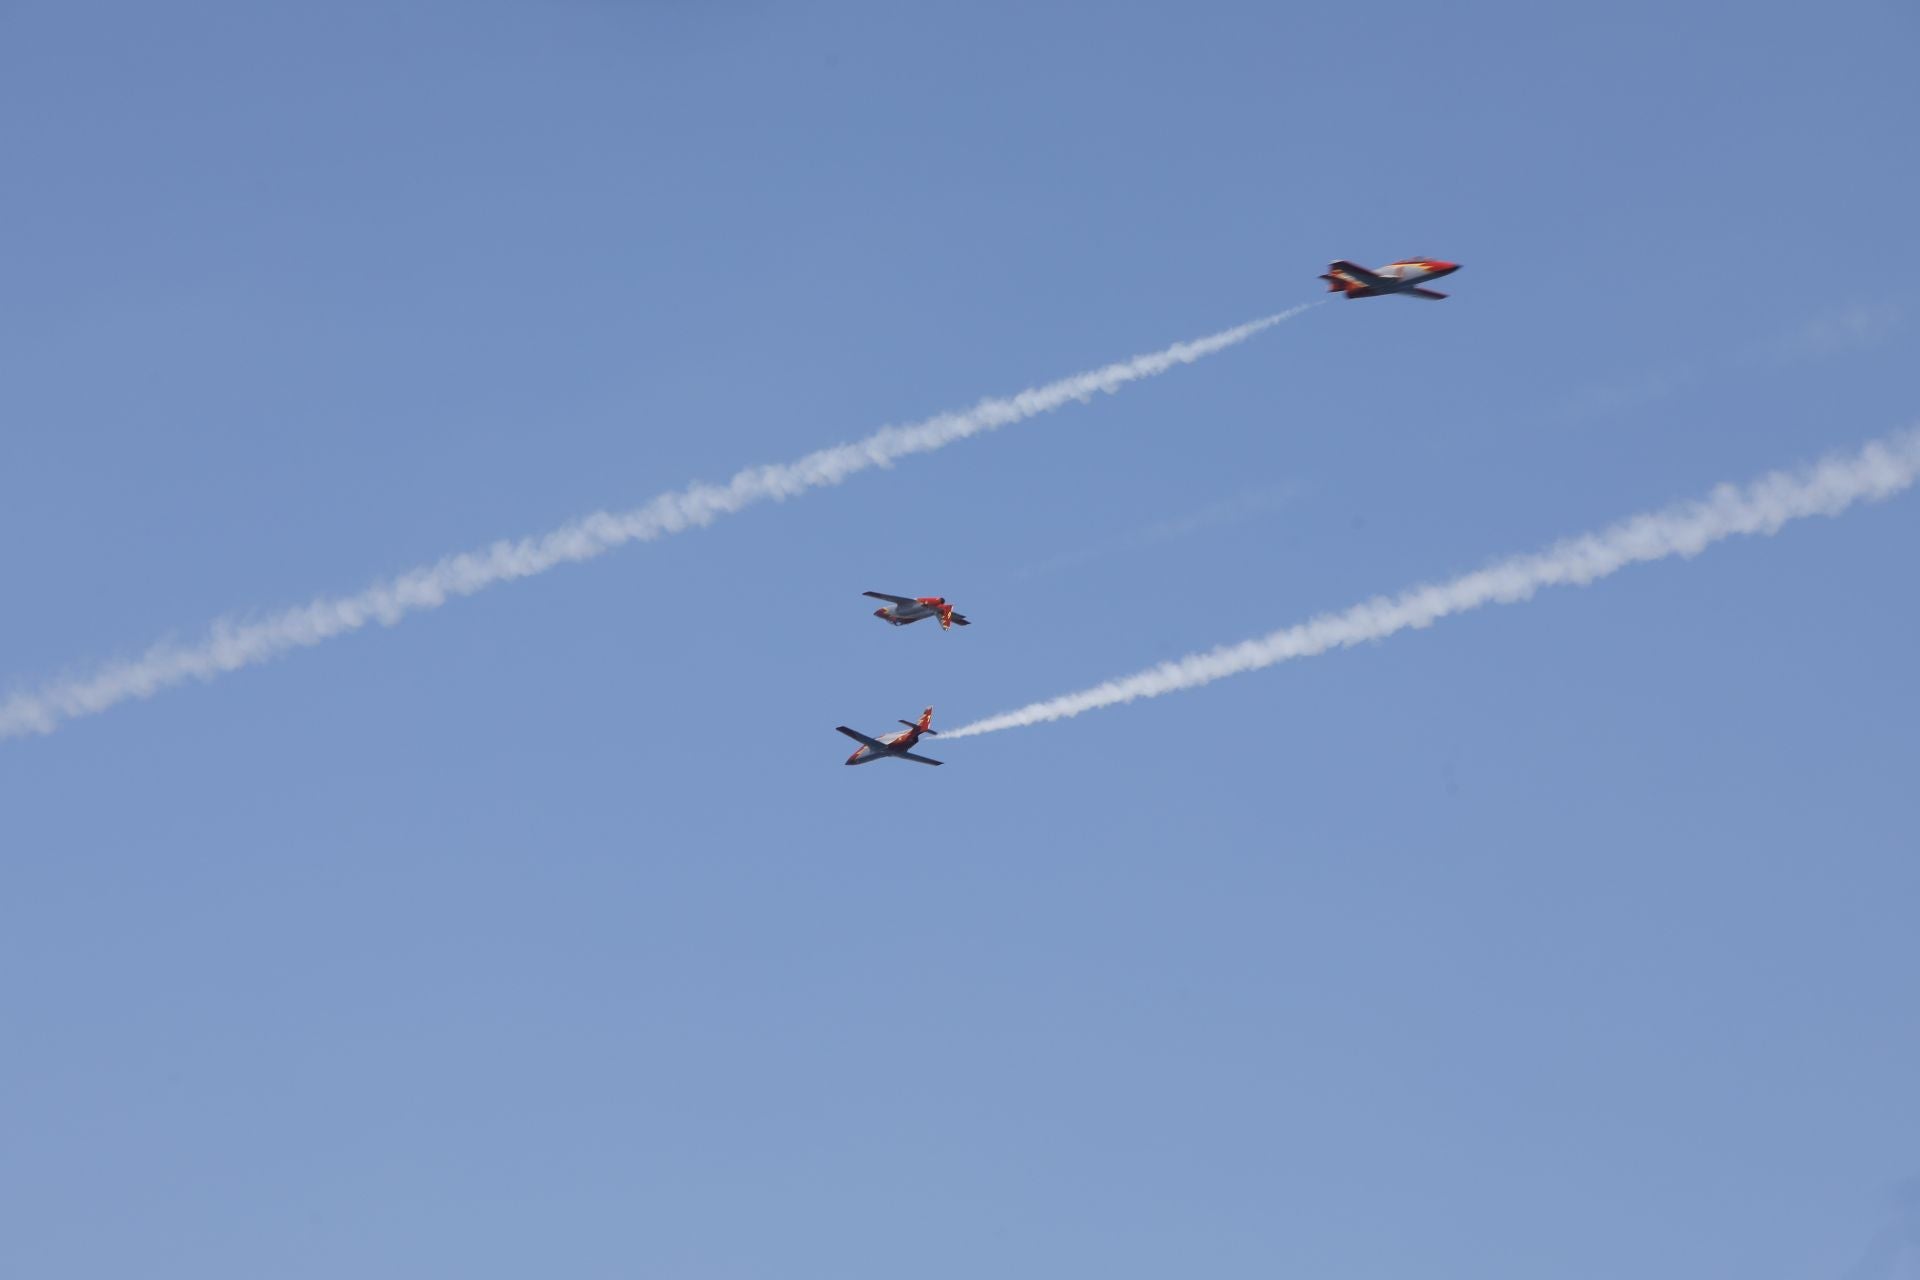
{"points": [[1405, 276], [907, 610], [892, 746]]}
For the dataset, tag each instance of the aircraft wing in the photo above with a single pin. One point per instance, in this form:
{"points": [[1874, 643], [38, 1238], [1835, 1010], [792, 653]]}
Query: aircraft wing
{"points": [[902, 601], [908, 755], [1356, 272], [1435, 294], [857, 736]]}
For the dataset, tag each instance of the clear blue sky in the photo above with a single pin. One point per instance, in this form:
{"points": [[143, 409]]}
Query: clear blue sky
{"points": [[544, 934]]}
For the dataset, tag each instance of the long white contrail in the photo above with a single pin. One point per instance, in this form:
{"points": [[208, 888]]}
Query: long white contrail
{"points": [[229, 644], [1879, 470]]}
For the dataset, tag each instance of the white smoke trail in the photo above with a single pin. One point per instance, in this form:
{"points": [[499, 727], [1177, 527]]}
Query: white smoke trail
{"points": [[1879, 470], [230, 645]]}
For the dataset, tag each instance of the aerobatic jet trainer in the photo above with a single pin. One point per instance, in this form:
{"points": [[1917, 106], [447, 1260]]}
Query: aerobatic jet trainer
{"points": [[1405, 276], [892, 746], [906, 609]]}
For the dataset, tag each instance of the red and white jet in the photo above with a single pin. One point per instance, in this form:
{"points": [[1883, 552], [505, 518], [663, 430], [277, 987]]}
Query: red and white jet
{"points": [[907, 610], [892, 746], [1405, 276]]}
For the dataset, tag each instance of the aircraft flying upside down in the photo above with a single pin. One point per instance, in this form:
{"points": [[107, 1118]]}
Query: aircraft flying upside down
{"points": [[1405, 276], [911, 609], [891, 746]]}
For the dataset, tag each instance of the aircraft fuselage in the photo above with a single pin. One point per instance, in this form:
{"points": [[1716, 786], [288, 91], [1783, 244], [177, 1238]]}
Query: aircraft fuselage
{"points": [[901, 615], [867, 755]]}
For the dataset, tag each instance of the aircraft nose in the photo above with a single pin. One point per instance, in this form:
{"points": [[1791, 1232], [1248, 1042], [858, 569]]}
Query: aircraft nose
{"points": [[1443, 268]]}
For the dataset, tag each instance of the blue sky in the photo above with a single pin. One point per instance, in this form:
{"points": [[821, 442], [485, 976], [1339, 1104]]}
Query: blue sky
{"points": [[545, 932]]}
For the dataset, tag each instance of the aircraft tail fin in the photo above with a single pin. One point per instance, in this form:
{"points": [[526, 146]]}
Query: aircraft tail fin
{"points": [[1352, 288], [931, 733]]}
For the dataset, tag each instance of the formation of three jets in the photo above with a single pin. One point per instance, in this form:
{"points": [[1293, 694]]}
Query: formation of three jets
{"points": [[1408, 276]]}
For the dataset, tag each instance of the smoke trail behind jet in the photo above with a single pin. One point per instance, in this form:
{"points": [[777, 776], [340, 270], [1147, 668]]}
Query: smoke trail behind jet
{"points": [[229, 645], [1877, 471]]}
